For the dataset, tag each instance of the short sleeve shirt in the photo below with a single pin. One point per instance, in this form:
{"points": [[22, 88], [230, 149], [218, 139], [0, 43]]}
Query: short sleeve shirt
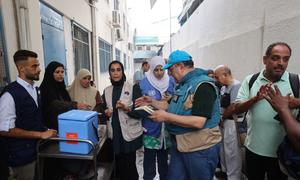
{"points": [[204, 100], [233, 90], [264, 132]]}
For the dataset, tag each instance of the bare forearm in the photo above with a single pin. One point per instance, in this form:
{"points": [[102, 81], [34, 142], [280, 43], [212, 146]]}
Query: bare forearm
{"points": [[21, 133], [186, 121], [295, 103], [229, 111], [291, 126], [240, 107]]}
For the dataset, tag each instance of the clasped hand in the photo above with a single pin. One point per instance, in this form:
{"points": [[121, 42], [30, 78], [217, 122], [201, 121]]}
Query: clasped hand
{"points": [[122, 106]]}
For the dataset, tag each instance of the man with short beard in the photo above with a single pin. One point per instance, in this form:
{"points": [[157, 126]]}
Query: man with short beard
{"points": [[264, 132], [21, 117]]}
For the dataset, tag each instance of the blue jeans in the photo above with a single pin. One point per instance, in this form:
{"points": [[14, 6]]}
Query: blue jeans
{"points": [[198, 165], [150, 163]]}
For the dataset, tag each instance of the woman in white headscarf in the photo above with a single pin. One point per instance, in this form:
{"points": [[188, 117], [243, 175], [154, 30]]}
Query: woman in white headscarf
{"points": [[157, 85], [81, 90]]}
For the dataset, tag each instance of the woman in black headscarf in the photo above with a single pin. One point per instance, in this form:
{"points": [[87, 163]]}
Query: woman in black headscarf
{"points": [[124, 130], [55, 98]]}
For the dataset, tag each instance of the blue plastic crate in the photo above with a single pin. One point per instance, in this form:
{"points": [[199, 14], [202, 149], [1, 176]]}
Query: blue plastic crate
{"points": [[78, 124]]}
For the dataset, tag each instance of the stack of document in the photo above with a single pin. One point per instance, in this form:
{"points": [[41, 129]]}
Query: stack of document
{"points": [[145, 111]]}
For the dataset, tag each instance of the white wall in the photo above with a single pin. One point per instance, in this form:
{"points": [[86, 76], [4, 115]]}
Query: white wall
{"points": [[106, 31], [78, 11], [10, 33], [35, 32], [236, 33], [69, 49]]}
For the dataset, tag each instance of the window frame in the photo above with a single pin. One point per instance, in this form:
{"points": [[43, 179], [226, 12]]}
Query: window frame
{"points": [[78, 65], [118, 54], [108, 53]]}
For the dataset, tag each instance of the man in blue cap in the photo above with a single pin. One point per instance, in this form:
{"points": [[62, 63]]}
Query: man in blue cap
{"points": [[192, 119]]}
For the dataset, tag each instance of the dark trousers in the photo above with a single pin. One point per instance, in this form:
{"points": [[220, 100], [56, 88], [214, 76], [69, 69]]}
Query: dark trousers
{"points": [[257, 166], [126, 167], [4, 172], [150, 156]]}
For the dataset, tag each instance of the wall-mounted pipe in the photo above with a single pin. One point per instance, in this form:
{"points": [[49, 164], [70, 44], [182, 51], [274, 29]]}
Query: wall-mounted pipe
{"points": [[22, 17]]}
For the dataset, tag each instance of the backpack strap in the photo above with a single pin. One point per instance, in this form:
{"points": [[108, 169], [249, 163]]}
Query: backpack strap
{"points": [[252, 80], [294, 82]]}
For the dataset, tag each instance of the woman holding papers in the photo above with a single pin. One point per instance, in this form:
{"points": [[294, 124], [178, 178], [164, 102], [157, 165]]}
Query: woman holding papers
{"points": [[125, 131], [157, 85]]}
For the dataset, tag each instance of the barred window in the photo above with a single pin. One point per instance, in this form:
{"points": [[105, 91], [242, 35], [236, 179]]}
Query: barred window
{"points": [[118, 54], [81, 48], [105, 50]]}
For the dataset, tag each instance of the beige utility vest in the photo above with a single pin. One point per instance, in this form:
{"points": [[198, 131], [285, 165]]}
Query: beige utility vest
{"points": [[131, 128]]}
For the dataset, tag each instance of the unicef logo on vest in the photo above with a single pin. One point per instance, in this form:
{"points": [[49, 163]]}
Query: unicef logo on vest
{"points": [[151, 93]]}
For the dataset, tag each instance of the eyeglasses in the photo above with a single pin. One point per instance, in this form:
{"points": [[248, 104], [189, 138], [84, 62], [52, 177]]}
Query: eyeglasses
{"points": [[117, 69], [170, 71]]}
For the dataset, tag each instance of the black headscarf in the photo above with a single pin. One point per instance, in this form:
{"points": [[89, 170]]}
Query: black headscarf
{"points": [[122, 80], [50, 89]]}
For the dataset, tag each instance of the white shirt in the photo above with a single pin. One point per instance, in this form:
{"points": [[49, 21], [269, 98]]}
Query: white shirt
{"points": [[7, 105]]}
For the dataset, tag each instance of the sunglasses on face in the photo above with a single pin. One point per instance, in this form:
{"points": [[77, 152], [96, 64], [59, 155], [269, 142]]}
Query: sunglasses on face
{"points": [[170, 70], [117, 69]]}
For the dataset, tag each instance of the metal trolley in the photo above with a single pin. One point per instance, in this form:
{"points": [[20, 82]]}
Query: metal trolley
{"points": [[49, 148]]}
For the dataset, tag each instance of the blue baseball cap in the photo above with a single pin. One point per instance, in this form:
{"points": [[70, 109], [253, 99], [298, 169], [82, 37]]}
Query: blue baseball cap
{"points": [[176, 57]]}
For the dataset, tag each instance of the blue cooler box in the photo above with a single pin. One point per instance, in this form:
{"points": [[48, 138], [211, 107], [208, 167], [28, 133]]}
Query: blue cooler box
{"points": [[78, 124]]}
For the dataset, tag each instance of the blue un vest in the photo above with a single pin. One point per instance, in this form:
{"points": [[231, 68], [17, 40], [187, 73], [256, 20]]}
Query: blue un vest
{"points": [[153, 128], [186, 87], [28, 117]]}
